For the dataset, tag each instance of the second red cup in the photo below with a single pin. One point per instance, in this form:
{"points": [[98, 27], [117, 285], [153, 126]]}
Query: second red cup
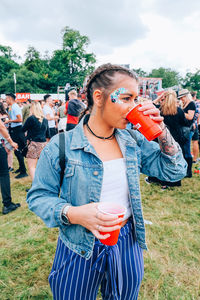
{"points": [[149, 128], [118, 210]]}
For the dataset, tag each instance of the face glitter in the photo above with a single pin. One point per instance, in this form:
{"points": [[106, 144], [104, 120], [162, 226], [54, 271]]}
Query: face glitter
{"points": [[115, 95]]}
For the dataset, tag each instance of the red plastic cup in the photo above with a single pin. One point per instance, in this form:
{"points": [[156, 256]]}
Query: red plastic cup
{"points": [[149, 128], [110, 208]]}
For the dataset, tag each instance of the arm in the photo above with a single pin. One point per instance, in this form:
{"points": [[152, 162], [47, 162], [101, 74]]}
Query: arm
{"points": [[167, 142], [18, 120], [43, 198], [6, 135], [190, 114], [164, 160]]}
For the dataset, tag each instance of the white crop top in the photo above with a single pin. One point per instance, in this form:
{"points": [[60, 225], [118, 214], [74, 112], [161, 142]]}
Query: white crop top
{"points": [[115, 184]]}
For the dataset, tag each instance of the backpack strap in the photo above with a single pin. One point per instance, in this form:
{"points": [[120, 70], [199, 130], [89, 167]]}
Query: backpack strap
{"points": [[62, 155]]}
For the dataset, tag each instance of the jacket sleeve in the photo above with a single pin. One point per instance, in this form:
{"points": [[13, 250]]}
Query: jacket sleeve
{"points": [[43, 198], [157, 164]]}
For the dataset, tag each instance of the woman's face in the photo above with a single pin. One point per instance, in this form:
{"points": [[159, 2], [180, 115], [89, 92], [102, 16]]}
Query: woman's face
{"points": [[120, 101]]}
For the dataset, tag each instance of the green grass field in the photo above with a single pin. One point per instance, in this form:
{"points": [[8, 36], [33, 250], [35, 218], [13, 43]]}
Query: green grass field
{"points": [[172, 264]]}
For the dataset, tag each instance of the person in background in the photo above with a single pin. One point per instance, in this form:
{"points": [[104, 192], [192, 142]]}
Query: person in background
{"points": [[37, 130], [8, 205], [73, 109], [174, 119], [103, 164], [16, 133], [195, 137], [62, 117], [26, 111], [8, 148], [189, 109], [50, 114]]}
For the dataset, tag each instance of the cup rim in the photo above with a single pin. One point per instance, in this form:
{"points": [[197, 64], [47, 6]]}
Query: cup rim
{"points": [[138, 105], [112, 214]]}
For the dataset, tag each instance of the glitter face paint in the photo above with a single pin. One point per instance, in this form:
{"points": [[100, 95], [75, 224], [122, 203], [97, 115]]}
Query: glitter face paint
{"points": [[115, 95]]}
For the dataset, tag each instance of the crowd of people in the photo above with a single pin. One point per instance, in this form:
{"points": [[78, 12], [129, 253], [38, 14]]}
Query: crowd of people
{"points": [[103, 162], [29, 127]]}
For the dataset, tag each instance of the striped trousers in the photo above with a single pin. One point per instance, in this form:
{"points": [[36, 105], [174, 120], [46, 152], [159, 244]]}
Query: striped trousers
{"points": [[117, 269]]}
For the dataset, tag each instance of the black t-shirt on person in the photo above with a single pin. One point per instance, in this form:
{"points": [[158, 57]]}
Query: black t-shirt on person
{"points": [[175, 123], [190, 106], [37, 131]]}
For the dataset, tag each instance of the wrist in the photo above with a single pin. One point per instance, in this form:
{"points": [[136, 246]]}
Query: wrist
{"points": [[72, 214], [162, 126]]}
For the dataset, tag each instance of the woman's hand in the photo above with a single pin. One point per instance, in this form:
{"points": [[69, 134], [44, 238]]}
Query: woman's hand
{"points": [[91, 218], [149, 109]]}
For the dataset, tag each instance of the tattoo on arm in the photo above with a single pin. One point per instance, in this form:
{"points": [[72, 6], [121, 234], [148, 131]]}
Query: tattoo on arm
{"points": [[167, 143]]}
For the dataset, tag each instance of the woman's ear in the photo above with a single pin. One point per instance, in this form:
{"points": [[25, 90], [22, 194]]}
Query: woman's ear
{"points": [[97, 98]]}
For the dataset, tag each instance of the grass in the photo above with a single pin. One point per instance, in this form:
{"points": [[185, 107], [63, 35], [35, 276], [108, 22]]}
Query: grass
{"points": [[172, 264]]}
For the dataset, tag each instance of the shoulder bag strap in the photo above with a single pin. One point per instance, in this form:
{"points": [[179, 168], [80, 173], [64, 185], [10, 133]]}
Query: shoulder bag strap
{"points": [[62, 155]]}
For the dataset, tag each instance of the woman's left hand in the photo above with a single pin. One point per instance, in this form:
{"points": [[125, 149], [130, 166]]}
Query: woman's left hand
{"points": [[149, 109]]}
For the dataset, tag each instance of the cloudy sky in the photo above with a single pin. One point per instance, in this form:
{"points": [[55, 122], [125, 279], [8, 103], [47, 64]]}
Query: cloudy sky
{"points": [[146, 34]]}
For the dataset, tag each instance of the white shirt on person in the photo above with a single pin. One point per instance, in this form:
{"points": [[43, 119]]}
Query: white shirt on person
{"points": [[47, 110]]}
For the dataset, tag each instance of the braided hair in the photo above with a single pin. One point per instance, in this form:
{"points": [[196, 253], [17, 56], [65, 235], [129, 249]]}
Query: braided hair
{"points": [[102, 78]]}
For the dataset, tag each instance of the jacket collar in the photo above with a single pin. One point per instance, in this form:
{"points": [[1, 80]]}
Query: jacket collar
{"points": [[80, 141]]}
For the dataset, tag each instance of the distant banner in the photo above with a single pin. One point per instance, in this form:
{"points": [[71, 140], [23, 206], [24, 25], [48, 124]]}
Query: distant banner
{"points": [[23, 97]]}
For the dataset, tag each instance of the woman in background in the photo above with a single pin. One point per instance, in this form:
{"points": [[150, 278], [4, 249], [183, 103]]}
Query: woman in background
{"points": [[37, 131], [189, 109]]}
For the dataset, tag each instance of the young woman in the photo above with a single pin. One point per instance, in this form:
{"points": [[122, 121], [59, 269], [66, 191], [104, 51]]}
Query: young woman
{"points": [[103, 163], [189, 109], [37, 132]]}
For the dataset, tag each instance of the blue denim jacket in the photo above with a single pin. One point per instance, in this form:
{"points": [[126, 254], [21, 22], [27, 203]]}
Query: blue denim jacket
{"points": [[83, 181]]}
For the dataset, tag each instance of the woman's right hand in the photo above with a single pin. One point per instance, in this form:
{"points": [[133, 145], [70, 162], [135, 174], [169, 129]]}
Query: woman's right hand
{"points": [[91, 218]]}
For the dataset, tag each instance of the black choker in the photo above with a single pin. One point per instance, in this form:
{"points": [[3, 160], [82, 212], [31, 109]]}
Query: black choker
{"points": [[101, 137]]}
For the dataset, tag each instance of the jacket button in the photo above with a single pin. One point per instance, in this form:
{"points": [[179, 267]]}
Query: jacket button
{"points": [[82, 252], [95, 173]]}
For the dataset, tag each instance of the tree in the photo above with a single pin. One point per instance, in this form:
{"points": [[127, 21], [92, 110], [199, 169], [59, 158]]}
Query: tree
{"points": [[27, 81], [169, 77], [7, 62], [192, 81], [72, 62], [33, 62], [140, 72]]}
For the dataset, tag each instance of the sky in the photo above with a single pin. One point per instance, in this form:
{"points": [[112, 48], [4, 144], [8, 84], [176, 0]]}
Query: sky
{"points": [[146, 34]]}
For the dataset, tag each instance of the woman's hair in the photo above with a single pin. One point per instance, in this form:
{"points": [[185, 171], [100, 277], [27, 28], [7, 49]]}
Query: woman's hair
{"points": [[169, 104], [2, 109], [73, 93], [36, 110], [103, 78]]}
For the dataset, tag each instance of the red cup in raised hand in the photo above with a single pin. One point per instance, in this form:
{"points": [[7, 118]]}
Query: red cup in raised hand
{"points": [[149, 128]]}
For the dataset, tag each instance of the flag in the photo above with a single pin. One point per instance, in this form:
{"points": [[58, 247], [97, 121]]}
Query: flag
{"points": [[14, 75]]}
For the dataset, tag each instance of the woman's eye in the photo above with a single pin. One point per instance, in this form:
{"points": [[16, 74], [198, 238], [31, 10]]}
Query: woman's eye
{"points": [[126, 99]]}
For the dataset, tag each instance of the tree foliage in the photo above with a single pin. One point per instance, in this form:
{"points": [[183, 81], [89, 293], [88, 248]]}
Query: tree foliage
{"points": [[169, 77], [70, 64]]}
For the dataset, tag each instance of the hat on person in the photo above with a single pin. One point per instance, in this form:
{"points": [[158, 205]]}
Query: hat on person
{"points": [[182, 93]]}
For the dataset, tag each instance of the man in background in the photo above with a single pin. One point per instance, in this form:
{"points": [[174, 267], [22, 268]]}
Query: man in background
{"points": [[16, 133], [50, 114], [73, 109]]}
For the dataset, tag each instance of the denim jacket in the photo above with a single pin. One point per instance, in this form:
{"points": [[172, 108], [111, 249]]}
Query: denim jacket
{"points": [[83, 181]]}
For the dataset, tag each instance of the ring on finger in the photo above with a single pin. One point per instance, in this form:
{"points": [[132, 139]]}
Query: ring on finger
{"points": [[98, 227]]}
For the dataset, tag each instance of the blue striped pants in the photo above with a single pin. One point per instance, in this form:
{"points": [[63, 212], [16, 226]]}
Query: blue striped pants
{"points": [[118, 269]]}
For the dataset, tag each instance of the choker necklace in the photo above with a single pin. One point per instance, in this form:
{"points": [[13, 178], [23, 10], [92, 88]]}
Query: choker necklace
{"points": [[101, 137]]}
